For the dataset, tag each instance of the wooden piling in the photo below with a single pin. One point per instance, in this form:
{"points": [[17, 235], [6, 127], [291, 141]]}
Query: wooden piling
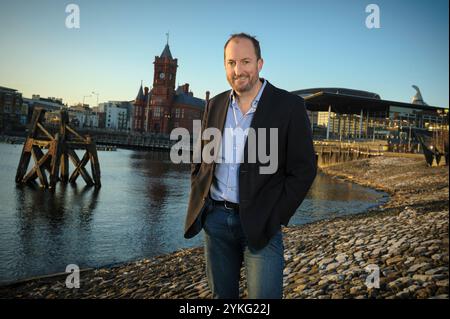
{"points": [[55, 162]]}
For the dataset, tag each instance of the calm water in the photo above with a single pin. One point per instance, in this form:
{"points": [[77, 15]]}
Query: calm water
{"points": [[138, 212]]}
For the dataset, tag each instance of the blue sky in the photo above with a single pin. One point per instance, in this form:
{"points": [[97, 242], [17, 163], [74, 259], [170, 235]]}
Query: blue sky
{"points": [[304, 44]]}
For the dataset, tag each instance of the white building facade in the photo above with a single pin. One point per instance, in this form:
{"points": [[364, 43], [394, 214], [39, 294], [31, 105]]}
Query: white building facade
{"points": [[117, 115]]}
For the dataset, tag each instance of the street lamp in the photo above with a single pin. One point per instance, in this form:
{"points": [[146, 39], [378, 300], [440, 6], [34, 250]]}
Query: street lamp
{"points": [[97, 95]]}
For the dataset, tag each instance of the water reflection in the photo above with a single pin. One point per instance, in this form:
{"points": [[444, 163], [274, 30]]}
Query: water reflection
{"points": [[53, 224], [332, 197]]}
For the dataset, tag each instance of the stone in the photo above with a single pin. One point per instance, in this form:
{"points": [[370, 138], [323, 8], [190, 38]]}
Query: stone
{"points": [[416, 267], [341, 258], [394, 260], [359, 242], [403, 294], [420, 250], [412, 288], [442, 283], [437, 277], [421, 294], [313, 261], [300, 287], [398, 283], [433, 248], [436, 270], [304, 269], [332, 266], [356, 290], [323, 282], [431, 242], [377, 252], [436, 257], [422, 277], [314, 270], [358, 254], [325, 261], [286, 271]]}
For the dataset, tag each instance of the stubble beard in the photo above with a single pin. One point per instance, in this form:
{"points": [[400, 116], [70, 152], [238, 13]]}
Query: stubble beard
{"points": [[251, 82]]}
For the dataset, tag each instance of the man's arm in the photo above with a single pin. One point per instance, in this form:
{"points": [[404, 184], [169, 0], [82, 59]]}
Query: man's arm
{"points": [[301, 164]]}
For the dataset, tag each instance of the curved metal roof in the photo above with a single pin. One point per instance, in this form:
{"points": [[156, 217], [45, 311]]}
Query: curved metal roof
{"points": [[352, 104], [345, 91]]}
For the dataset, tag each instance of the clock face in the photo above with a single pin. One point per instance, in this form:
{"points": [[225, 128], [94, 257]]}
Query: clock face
{"points": [[162, 75]]}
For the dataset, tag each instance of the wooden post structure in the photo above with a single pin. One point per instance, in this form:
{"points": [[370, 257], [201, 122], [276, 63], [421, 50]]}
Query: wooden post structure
{"points": [[61, 147], [64, 158]]}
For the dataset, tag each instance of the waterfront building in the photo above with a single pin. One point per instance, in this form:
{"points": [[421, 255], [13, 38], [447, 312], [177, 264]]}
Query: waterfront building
{"points": [[163, 108], [82, 116], [348, 114], [117, 115], [49, 103], [13, 113]]}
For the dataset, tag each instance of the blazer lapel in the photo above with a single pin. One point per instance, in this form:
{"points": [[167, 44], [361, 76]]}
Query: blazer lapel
{"points": [[261, 118], [219, 112], [263, 111]]}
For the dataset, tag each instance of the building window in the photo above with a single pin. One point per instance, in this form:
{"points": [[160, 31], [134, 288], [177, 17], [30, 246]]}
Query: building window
{"points": [[157, 112], [177, 113]]}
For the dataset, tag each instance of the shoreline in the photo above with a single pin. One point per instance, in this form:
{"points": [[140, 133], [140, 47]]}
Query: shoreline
{"points": [[324, 259]]}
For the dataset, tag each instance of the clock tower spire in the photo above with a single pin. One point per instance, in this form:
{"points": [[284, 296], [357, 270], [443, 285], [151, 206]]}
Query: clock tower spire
{"points": [[165, 70]]}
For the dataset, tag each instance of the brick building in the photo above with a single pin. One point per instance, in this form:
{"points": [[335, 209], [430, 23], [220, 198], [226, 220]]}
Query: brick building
{"points": [[13, 112], [163, 108]]}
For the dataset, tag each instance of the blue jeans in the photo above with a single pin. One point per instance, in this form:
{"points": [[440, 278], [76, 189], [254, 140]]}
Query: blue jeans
{"points": [[225, 249]]}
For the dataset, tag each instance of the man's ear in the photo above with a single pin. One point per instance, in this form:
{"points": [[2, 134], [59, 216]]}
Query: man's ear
{"points": [[260, 64]]}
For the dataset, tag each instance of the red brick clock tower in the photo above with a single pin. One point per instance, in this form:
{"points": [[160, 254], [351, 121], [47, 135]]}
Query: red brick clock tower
{"points": [[163, 92]]}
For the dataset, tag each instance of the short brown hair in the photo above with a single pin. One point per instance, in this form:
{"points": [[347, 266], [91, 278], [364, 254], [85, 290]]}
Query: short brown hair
{"points": [[243, 35]]}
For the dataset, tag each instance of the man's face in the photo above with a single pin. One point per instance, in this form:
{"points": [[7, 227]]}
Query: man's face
{"points": [[241, 65]]}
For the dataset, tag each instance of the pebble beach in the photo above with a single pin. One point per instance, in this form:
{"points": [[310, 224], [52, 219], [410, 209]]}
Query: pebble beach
{"points": [[405, 241]]}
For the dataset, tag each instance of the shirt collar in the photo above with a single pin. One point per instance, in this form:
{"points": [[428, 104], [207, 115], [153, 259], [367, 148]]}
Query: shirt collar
{"points": [[255, 101]]}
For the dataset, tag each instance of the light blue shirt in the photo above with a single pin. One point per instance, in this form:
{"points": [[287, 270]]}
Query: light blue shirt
{"points": [[225, 185]]}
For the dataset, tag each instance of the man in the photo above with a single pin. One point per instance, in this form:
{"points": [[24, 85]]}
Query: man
{"points": [[241, 208]]}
